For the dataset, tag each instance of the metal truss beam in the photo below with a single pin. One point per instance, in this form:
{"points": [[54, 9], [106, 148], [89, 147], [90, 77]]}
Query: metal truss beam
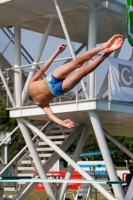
{"points": [[118, 144], [105, 153], [68, 159], [69, 42], [37, 57], [75, 157], [35, 158], [52, 160], [114, 6]]}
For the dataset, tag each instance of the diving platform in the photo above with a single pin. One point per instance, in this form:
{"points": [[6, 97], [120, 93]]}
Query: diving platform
{"points": [[116, 117], [34, 16]]}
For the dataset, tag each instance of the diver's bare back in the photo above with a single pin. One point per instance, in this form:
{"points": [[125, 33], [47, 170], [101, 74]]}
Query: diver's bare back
{"points": [[40, 92]]}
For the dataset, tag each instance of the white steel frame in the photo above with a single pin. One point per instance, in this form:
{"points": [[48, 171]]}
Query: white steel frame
{"points": [[23, 123]]}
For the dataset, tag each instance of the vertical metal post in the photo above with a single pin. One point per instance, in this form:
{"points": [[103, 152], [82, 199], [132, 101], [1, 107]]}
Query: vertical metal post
{"points": [[68, 159], [68, 40], [38, 55], [17, 62], [5, 154], [35, 158], [77, 152], [109, 91], [105, 153], [92, 35]]}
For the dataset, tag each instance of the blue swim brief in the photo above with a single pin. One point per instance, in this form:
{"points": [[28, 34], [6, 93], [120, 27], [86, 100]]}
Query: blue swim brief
{"points": [[55, 84]]}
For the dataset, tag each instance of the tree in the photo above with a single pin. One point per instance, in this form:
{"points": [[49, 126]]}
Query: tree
{"points": [[7, 124]]}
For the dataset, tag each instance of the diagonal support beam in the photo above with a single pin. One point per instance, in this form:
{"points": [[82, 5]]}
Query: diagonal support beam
{"points": [[21, 152], [37, 57], [52, 160], [76, 155], [68, 159], [118, 144], [69, 41], [7, 88], [35, 158], [104, 87]]}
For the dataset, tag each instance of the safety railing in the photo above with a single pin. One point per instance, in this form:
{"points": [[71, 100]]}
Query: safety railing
{"points": [[22, 151], [102, 89], [70, 96]]}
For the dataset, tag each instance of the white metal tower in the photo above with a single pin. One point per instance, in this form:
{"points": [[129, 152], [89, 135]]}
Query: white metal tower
{"points": [[88, 22]]}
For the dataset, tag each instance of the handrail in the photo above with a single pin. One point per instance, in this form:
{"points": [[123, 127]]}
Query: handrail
{"points": [[30, 65], [26, 52], [22, 150]]}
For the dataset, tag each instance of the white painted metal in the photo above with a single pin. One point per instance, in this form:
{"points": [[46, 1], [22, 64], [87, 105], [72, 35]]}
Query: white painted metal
{"points": [[69, 42], [109, 91], [37, 57], [17, 62], [55, 156], [104, 87], [7, 45], [76, 6], [105, 153], [6, 154], [35, 158], [55, 142], [33, 64], [67, 158], [32, 17], [7, 88], [9, 135], [129, 193], [19, 154], [115, 7], [91, 44], [118, 144], [75, 157]]}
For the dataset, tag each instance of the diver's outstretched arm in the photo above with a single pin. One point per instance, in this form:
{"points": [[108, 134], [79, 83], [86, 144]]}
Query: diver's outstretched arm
{"points": [[67, 123], [46, 65]]}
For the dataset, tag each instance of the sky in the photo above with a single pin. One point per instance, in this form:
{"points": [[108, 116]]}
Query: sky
{"points": [[31, 41]]}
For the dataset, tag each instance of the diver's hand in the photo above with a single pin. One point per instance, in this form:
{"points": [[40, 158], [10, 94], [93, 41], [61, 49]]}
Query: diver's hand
{"points": [[68, 123], [61, 48]]}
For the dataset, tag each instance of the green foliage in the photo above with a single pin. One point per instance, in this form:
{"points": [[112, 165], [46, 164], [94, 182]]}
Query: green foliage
{"points": [[16, 146], [118, 157], [7, 124]]}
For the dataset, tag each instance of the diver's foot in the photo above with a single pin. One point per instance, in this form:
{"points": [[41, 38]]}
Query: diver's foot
{"points": [[116, 45], [112, 40]]}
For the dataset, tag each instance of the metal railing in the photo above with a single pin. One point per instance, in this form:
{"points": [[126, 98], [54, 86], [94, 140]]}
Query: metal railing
{"points": [[78, 93], [22, 152]]}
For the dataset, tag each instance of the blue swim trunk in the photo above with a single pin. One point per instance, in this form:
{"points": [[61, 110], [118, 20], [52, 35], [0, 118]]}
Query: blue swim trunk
{"points": [[55, 84]]}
